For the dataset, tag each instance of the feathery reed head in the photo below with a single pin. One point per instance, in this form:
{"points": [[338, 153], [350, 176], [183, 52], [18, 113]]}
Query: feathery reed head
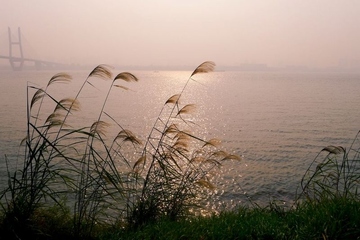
{"points": [[101, 71], [205, 67], [140, 161], [128, 136], [37, 96], [68, 104], [212, 142], [171, 129], [99, 127], [334, 149], [189, 108], [204, 183], [173, 99], [126, 76], [55, 119], [60, 78]]}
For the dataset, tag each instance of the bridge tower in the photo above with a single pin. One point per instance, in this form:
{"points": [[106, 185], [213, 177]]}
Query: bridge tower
{"points": [[16, 62]]}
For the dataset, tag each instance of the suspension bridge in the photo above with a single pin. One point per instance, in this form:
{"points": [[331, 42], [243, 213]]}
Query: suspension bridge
{"points": [[16, 57]]}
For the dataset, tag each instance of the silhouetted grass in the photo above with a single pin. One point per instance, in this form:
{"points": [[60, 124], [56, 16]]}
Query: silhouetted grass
{"points": [[80, 169], [328, 219], [335, 172]]}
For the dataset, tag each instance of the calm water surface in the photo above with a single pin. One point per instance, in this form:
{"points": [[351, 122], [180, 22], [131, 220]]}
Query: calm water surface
{"points": [[277, 122]]}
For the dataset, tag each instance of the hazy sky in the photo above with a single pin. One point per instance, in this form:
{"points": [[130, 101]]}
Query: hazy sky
{"points": [[185, 32]]}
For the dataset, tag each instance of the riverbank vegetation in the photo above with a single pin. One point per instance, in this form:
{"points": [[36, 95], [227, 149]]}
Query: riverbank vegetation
{"points": [[81, 182]]}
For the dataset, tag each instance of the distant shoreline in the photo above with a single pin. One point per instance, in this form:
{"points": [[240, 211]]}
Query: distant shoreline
{"points": [[220, 68]]}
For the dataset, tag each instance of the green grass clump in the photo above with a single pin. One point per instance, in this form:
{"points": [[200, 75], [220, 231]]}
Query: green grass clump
{"points": [[330, 219]]}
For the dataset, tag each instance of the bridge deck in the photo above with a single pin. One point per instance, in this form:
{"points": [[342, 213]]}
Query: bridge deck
{"points": [[18, 59]]}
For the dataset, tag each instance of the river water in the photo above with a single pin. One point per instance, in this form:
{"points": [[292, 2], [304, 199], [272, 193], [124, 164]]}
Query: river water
{"points": [[276, 121]]}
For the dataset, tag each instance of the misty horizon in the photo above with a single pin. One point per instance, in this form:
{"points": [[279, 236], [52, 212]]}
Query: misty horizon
{"points": [[251, 67], [275, 33]]}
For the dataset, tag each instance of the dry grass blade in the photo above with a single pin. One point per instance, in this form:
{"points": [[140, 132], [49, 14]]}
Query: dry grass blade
{"points": [[173, 99], [99, 127], [37, 96], [205, 67], [334, 149], [101, 71], [60, 77], [126, 76], [187, 109]]}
